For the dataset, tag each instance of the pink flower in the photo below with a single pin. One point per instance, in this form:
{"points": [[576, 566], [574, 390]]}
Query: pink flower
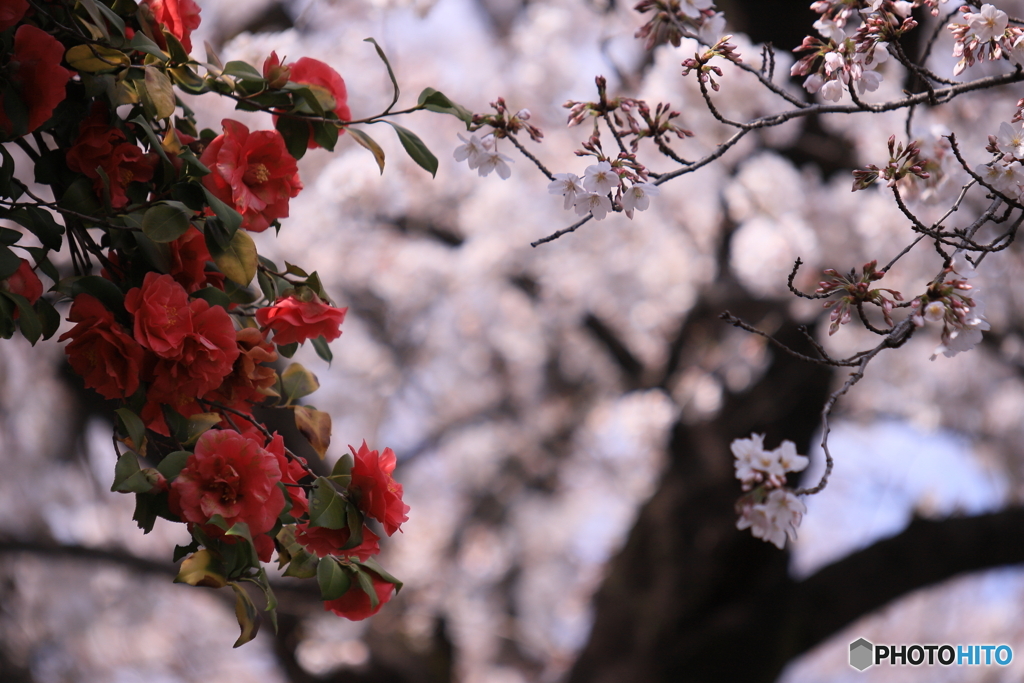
{"points": [[327, 85], [376, 493], [177, 17], [252, 172], [294, 320], [324, 542]]}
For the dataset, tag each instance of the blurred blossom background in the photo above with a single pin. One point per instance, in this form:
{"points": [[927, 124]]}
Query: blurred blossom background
{"points": [[556, 407]]}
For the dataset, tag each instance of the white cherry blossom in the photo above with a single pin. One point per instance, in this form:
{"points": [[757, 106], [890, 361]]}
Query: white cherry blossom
{"points": [[600, 178], [638, 197], [988, 24], [494, 161], [1010, 140], [592, 202], [470, 150], [568, 185]]}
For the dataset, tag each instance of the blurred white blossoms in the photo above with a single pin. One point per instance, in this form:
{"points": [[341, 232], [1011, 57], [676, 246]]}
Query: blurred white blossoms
{"points": [[482, 155], [771, 511], [594, 192], [1005, 173], [774, 519]]}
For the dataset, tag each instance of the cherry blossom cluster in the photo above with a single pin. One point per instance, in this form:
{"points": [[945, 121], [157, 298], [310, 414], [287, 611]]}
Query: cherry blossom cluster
{"points": [[174, 315], [769, 509], [1005, 172], [985, 35], [601, 189], [962, 316], [903, 161], [482, 155]]}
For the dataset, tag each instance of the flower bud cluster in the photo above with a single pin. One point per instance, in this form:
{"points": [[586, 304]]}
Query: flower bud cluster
{"points": [[985, 35], [856, 291], [506, 123], [769, 509], [962, 316], [843, 60], [701, 62], [674, 20], [903, 162]]}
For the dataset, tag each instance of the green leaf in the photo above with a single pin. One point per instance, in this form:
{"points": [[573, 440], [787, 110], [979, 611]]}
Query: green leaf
{"points": [[434, 100], [240, 69], [303, 565], [128, 476], [322, 348], [288, 350], [9, 237], [372, 564], [238, 261], [366, 583], [325, 135], [202, 568], [145, 511], [9, 263], [40, 223], [112, 17], [96, 59], [344, 466], [141, 42], [179, 55], [295, 133], [106, 291], [17, 112], [173, 463], [181, 551], [391, 73], [7, 189], [370, 144], [214, 296], [416, 149], [131, 426], [227, 214], [334, 581], [166, 221], [28, 321], [297, 382], [79, 197], [158, 94], [245, 612], [154, 141], [326, 507], [48, 317]]}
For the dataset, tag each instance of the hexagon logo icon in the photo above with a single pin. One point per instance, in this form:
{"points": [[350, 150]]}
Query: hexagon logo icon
{"points": [[861, 651]]}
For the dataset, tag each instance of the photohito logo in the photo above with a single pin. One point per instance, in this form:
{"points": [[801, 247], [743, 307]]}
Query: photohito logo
{"points": [[864, 653]]}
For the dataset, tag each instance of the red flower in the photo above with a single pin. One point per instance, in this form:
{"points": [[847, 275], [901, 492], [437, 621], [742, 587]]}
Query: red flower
{"points": [[100, 146], [292, 472], [250, 378], [205, 357], [229, 475], [177, 17], [277, 74], [11, 12], [355, 604], [162, 315], [294, 320], [252, 172], [324, 542], [377, 494], [327, 85], [101, 350], [25, 282], [34, 71], [188, 258]]}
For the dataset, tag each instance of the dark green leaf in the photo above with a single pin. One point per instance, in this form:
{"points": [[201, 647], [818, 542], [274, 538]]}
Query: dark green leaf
{"points": [[245, 612], [227, 214], [326, 507], [214, 297], [40, 223], [173, 463], [391, 73], [240, 69], [9, 263], [146, 507], [366, 583], [154, 141], [326, 135], [334, 581], [166, 222], [28, 321], [49, 318], [112, 17], [288, 350], [295, 133], [416, 149], [323, 349], [433, 100], [131, 426], [141, 42]]}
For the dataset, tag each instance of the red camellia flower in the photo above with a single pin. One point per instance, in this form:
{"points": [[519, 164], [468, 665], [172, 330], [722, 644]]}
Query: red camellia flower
{"points": [[34, 71], [25, 282], [162, 316], [11, 12], [292, 471], [324, 542], [327, 85], [252, 172], [188, 258], [377, 494], [101, 350], [294, 319], [230, 475], [205, 357], [355, 604], [101, 146], [178, 17]]}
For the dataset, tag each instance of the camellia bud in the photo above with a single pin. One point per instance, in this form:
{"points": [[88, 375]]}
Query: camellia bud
{"points": [[276, 73]]}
